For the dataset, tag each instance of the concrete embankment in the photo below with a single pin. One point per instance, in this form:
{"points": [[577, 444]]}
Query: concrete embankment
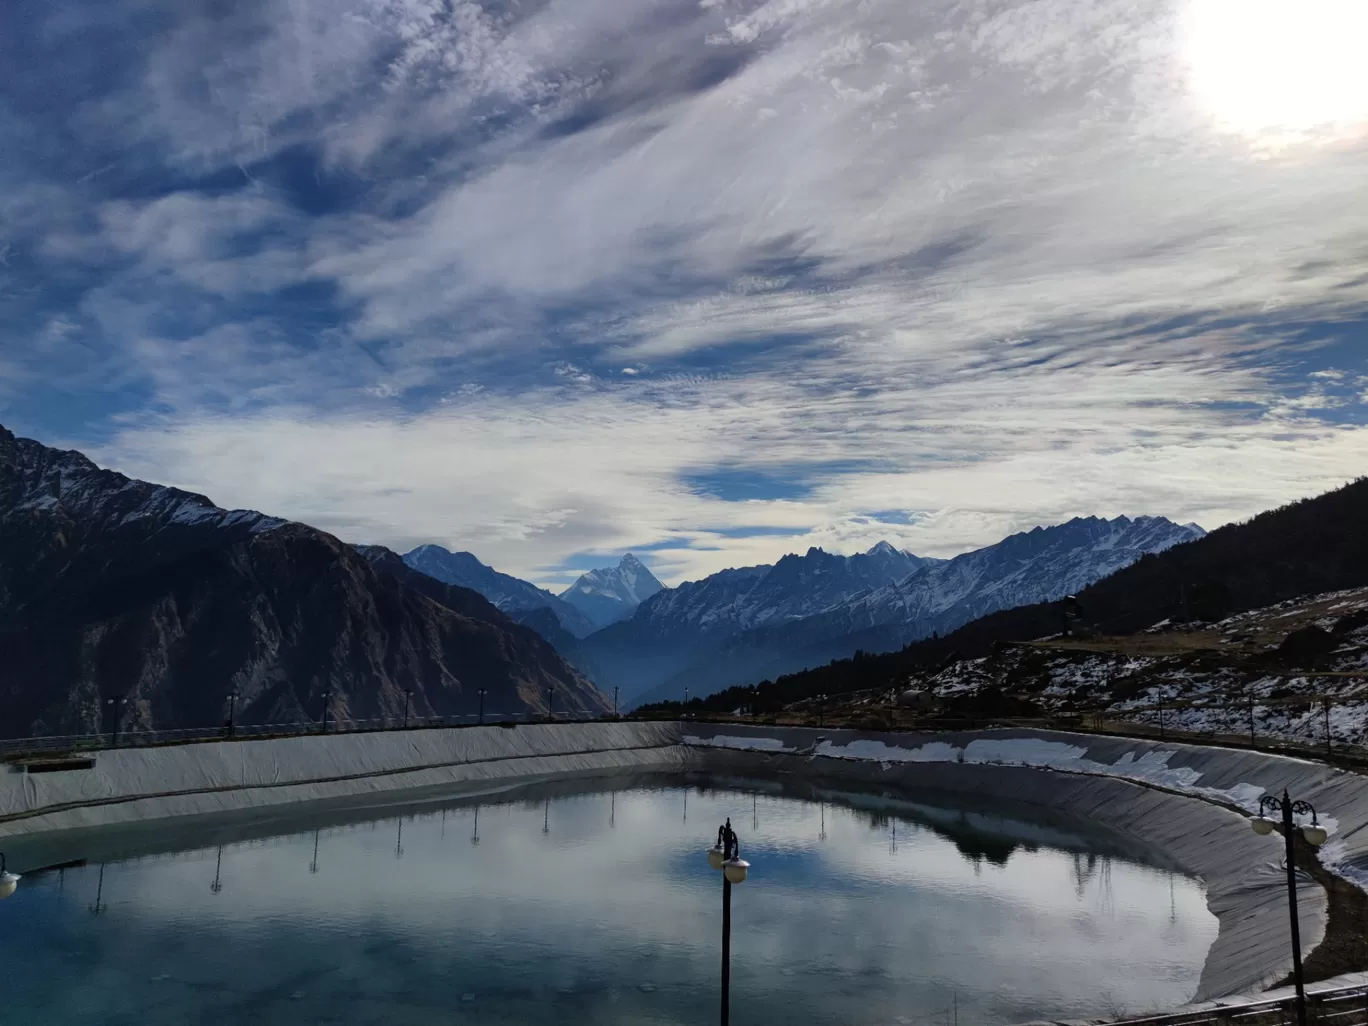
{"points": [[1184, 804]]}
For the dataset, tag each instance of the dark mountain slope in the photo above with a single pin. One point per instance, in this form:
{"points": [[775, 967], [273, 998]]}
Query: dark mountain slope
{"points": [[111, 587]]}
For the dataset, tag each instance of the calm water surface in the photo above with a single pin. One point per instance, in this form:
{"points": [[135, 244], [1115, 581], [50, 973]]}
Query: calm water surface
{"points": [[600, 908]]}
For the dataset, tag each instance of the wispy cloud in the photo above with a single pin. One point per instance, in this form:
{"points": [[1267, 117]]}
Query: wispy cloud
{"points": [[514, 276]]}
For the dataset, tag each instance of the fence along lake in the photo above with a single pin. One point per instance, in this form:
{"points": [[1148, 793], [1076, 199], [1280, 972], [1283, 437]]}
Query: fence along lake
{"points": [[601, 908]]}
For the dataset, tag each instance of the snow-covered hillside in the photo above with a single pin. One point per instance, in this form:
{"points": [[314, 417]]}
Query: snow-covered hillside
{"points": [[1296, 670]]}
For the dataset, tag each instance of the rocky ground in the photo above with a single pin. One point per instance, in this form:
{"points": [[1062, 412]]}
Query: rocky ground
{"points": [[1295, 671]]}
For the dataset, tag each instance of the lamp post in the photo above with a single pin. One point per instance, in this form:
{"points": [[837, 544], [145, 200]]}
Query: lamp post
{"points": [[615, 696], [232, 710], [482, 694], [1314, 835], [8, 881], [116, 704], [408, 695], [551, 703], [726, 856], [327, 701]]}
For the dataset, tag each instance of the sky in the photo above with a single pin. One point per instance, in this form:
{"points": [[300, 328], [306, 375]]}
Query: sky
{"points": [[707, 280]]}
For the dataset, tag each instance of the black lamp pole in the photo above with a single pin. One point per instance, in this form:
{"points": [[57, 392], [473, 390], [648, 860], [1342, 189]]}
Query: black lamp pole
{"points": [[615, 696], [551, 703], [408, 694], [327, 700], [1289, 808], [482, 694], [232, 710], [726, 856]]}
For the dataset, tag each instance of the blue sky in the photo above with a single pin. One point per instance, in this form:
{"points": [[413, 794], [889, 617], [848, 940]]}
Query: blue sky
{"points": [[709, 280]]}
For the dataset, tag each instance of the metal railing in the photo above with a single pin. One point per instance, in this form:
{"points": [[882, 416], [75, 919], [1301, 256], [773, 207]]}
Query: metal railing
{"points": [[1342, 1006], [15, 747]]}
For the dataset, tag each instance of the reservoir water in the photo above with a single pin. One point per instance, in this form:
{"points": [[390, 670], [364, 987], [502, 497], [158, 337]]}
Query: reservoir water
{"points": [[600, 908]]}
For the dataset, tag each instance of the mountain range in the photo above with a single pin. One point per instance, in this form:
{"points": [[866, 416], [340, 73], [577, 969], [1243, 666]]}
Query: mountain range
{"points": [[747, 624], [596, 599], [509, 594], [1314, 547], [120, 594]]}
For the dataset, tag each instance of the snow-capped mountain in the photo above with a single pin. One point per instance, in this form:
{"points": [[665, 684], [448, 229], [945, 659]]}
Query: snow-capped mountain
{"points": [[613, 593], [677, 625], [116, 587], [510, 594], [744, 625], [1036, 566], [794, 587]]}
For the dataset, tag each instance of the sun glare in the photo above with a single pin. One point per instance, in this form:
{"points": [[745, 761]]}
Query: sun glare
{"points": [[1279, 69]]}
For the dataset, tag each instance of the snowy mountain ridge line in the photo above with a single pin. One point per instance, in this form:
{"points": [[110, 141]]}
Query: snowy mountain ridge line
{"points": [[55, 480]]}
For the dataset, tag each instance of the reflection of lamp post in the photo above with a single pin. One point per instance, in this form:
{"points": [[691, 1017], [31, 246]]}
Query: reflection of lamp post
{"points": [[313, 866], [475, 837], [726, 856], [399, 841], [116, 704], [482, 694], [546, 817], [8, 881], [217, 885], [99, 906], [1315, 836]]}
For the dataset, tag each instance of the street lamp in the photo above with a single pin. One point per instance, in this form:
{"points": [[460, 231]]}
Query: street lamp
{"points": [[408, 694], [615, 696], [551, 703], [116, 703], [726, 856], [327, 701], [232, 709], [1314, 835], [482, 694], [8, 881]]}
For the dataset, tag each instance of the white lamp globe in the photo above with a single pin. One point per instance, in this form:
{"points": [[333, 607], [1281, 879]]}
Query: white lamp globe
{"points": [[1315, 835], [1261, 825], [716, 856], [8, 883], [735, 870]]}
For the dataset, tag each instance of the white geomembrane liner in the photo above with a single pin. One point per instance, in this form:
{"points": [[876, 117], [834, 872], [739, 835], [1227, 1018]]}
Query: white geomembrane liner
{"points": [[1150, 767]]}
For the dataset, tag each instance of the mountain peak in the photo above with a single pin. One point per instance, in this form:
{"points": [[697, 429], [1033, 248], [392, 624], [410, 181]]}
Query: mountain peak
{"points": [[883, 548], [610, 594]]}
